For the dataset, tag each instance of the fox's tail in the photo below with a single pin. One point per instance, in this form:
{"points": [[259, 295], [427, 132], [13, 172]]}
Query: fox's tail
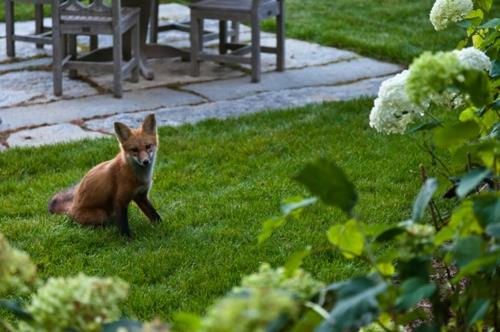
{"points": [[61, 202]]}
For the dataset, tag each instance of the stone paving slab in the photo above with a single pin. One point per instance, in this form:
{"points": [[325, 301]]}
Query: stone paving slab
{"points": [[275, 100], [102, 105], [23, 51], [50, 135], [170, 72], [337, 73], [25, 65], [32, 87]]}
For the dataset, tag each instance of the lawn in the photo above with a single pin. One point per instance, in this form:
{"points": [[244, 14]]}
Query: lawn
{"points": [[215, 182], [394, 30]]}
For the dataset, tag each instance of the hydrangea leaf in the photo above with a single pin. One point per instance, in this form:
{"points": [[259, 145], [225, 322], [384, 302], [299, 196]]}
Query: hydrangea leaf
{"points": [[269, 226], [347, 238], [295, 205], [356, 305], [487, 209], [329, 182], [452, 137], [414, 290], [477, 311], [296, 260], [470, 181], [423, 199]]}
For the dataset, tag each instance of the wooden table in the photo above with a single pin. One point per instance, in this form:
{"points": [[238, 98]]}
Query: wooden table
{"points": [[148, 51]]}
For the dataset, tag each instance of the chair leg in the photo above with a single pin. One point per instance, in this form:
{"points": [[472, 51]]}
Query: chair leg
{"points": [[94, 43], [222, 37], [39, 22], [9, 28], [196, 44], [280, 42], [256, 63], [117, 62], [57, 66], [153, 31], [235, 36], [135, 38], [73, 73]]}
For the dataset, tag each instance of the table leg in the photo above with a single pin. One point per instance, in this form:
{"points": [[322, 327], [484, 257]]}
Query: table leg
{"points": [[145, 6]]}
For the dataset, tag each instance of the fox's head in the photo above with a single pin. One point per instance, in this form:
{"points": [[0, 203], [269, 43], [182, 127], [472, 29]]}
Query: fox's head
{"points": [[138, 145]]}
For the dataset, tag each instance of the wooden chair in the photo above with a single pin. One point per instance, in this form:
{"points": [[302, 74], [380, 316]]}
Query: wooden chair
{"points": [[42, 33], [253, 11], [74, 18], [155, 28]]}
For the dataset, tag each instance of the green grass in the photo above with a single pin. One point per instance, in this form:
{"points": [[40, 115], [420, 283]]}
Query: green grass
{"points": [[214, 184]]}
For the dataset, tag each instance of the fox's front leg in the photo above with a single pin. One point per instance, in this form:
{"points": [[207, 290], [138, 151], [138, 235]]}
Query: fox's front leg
{"points": [[147, 208], [121, 214]]}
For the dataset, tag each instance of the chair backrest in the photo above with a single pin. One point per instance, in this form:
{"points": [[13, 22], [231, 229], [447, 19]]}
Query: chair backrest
{"points": [[100, 8], [255, 4]]}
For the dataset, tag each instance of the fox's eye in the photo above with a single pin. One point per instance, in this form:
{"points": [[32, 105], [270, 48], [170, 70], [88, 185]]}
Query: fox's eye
{"points": [[134, 150], [148, 146]]}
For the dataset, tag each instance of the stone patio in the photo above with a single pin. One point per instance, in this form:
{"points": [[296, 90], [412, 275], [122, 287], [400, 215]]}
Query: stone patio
{"points": [[30, 115]]}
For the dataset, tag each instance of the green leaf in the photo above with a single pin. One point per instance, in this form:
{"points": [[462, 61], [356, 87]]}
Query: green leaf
{"points": [[466, 249], [477, 311], [356, 305], [15, 308], [478, 264], [386, 268], [308, 322], [296, 260], [123, 325], [470, 181], [493, 230], [476, 85], [493, 23], [414, 290], [495, 68], [485, 5], [296, 204], [269, 226], [423, 199], [389, 234], [278, 324], [186, 322], [329, 182], [347, 238], [487, 209], [424, 126], [452, 137]]}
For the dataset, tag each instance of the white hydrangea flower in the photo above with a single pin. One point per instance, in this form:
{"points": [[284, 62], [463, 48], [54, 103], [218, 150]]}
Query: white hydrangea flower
{"points": [[393, 111], [444, 12], [473, 58]]}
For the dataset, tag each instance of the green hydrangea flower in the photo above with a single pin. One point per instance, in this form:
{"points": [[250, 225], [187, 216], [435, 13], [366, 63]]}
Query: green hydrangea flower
{"points": [[251, 310], [17, 272], [432, 76], [261, 299], [82, 303], [301, 284]]}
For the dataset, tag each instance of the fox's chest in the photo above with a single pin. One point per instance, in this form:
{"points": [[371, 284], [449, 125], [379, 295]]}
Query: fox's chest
{"points": [[142, 189]]}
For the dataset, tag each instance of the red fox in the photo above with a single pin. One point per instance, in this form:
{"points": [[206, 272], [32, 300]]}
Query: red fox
{"points": [[108, 188]]}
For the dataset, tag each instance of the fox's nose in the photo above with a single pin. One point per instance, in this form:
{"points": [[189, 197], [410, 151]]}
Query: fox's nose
{"points": [[145, 162]]}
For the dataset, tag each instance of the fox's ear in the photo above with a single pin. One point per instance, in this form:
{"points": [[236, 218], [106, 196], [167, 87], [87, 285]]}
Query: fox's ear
{"points": [[149, 125], [122, 131]]}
